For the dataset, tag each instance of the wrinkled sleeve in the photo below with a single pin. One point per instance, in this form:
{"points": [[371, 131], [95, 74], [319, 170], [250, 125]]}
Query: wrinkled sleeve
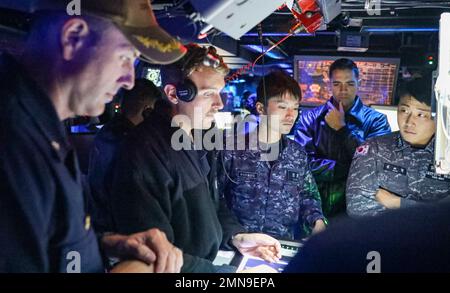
{"points": [[27, 200], [230, 225], [350, 140], [323, 169], [410, 203], [310, 203], [362, 184], [228, 220], [141, 199], [99, 183], [379, 127]]}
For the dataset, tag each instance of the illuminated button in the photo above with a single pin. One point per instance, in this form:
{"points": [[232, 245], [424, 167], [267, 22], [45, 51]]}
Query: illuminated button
{"points": [[87, 222], [55, 146]]}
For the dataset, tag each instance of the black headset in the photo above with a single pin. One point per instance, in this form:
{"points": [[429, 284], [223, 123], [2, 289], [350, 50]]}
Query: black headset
{"points": [[186, 90]]}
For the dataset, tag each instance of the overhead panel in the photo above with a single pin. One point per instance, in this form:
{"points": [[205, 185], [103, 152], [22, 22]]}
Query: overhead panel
{"points": [[235, 17]]}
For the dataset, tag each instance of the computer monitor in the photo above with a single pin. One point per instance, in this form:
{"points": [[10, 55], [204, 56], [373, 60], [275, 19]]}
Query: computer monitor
{"points": [[154, 75], [391, 114], [378, 78]]}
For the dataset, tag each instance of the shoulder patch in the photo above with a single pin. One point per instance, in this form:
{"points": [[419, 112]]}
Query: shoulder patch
{"points": [[361, 150]]}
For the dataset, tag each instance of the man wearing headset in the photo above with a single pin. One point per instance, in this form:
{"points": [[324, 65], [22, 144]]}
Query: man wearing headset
{"points": [[162, 182]]}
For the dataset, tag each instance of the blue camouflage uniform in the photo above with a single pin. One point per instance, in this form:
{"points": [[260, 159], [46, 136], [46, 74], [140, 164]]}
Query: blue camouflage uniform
{"points": [[278, 198], [394, 165]]}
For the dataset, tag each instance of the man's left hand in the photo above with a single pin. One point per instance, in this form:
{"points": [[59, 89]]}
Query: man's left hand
{"points": [[319, 226], [387, 199], [259, 245]]}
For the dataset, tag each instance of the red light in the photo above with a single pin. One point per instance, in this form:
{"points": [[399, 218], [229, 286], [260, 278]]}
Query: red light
{"points": [[202, 36]]}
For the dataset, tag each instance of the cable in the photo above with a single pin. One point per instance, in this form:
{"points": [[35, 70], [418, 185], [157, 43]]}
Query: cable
{"points": [[293, 31], [261, 41], [225, 170], [270, 49], [214, 34]]}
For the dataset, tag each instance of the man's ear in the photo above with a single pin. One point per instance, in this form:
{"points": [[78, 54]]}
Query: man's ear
{"points": [[74, 34], [171, 93], [260, 108]]}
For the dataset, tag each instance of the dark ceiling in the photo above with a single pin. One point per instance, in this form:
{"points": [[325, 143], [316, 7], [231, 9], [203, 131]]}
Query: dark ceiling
{"points": [[406, 29], [410, 30]]}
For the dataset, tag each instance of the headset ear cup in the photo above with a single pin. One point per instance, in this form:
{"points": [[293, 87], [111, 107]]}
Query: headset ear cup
{"points": [[186, 91]]}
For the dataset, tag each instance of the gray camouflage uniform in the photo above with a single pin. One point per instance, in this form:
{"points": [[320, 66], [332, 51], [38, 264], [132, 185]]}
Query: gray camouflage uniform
{"points": [[390, 163], [278, 198]]}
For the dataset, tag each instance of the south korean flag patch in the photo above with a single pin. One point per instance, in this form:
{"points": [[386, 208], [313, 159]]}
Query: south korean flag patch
{"points": [[361, 150]]}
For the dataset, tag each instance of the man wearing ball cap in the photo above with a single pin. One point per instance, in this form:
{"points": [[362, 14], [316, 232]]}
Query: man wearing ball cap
{"points": [[71, 65]]}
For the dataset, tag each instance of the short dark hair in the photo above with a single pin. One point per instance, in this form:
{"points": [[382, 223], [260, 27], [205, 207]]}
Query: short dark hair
{"points": [[193, 59], [419, 89], [344, 64], [275, 84], [143, 94]]}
